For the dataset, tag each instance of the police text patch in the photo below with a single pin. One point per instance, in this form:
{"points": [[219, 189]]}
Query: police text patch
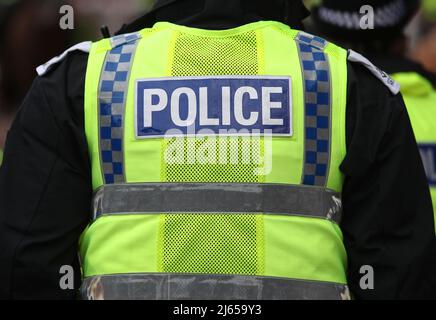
{"points": [[169, 107]]}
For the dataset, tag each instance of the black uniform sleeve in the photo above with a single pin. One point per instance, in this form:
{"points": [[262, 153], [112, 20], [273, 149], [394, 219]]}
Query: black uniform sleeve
{"points": [[388, 219], [45, 186]]}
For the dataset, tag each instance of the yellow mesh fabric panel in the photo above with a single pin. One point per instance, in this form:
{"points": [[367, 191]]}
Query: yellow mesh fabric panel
{"points": [[231, 55], [217, 244], [214, 160]]}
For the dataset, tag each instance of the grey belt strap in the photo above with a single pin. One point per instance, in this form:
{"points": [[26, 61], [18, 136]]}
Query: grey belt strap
{"points": [[192, 198], [208, 287]]}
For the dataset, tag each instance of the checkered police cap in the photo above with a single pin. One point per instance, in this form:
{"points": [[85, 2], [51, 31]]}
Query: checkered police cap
{"points": [[342, 19]]}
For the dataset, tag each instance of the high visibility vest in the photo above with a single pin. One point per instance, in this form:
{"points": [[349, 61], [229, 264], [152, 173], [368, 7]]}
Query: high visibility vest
{"points": [[215, 165], [429, 9], [420, 98]]}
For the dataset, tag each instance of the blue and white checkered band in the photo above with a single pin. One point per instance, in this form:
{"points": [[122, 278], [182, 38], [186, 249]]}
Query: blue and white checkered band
{"points": [[317, 86], [113, 88]]}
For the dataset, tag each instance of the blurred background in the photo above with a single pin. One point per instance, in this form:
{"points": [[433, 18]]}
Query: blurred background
{"points": [[30, 35]]}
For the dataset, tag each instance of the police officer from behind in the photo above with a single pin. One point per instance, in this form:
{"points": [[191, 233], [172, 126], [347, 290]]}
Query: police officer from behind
{"points": [[387, 45], [129, 124]]}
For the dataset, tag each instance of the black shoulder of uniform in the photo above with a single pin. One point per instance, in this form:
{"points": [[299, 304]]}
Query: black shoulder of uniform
{"points": [[370, 104], [63, 87], [383, 76], [363, 84], [84, 47]]}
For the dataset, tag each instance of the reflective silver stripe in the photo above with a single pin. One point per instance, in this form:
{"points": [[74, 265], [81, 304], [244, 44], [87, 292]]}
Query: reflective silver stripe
{"points": [[112, 96], [207, 287], [277, 199], [317, 99]]}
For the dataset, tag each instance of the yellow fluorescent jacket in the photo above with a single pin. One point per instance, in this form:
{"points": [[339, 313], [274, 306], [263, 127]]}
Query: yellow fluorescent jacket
{"points": [[215, 229], [420, 98]]}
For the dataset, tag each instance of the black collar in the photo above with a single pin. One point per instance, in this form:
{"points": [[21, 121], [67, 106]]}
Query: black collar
{"points": [[218, 15]]}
